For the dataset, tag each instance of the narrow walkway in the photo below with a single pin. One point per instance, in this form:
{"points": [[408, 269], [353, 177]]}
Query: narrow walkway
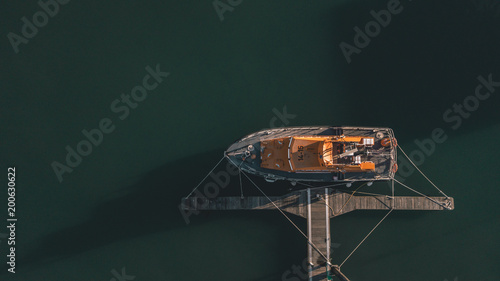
{"points": [[296, 203], [318, 231]]}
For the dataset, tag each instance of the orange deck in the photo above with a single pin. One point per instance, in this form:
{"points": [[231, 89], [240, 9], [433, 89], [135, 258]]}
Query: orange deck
{"points": [[311, 153]]}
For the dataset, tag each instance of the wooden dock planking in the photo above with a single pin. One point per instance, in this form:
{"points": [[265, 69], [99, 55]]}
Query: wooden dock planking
{"points": [[338, 200], [318, 232], [318, 211], [296, 203]]}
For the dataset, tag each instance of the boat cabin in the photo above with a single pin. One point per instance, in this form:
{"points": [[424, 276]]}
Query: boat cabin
{"points": [[317, 154]]}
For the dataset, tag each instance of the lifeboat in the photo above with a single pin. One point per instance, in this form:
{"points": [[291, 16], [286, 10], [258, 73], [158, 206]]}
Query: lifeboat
{"points": [[322, 154]]}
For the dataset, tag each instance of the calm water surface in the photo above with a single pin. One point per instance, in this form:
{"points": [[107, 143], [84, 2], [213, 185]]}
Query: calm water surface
{"points": [[118, 207]]}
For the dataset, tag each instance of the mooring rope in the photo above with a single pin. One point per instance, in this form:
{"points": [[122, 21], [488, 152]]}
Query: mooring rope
{"points": [[305, 184], [303, 234], [326, 203], [422, 173], [326, 186], [360, 192], [206, 176], [283, 213], [365, 238], [440, 204], [392, 187], [350, 197], [241, 183]]}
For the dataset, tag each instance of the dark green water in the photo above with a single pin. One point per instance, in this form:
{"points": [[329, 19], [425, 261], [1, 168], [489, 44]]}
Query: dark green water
{"points": [[118, 207]]}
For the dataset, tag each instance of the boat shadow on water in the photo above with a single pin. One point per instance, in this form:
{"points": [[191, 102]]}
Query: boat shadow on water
{"points": [[150, 205]]}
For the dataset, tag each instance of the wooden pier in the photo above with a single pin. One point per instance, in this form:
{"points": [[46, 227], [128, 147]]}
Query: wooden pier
{"points": [[318, 205], [318, 232]]}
